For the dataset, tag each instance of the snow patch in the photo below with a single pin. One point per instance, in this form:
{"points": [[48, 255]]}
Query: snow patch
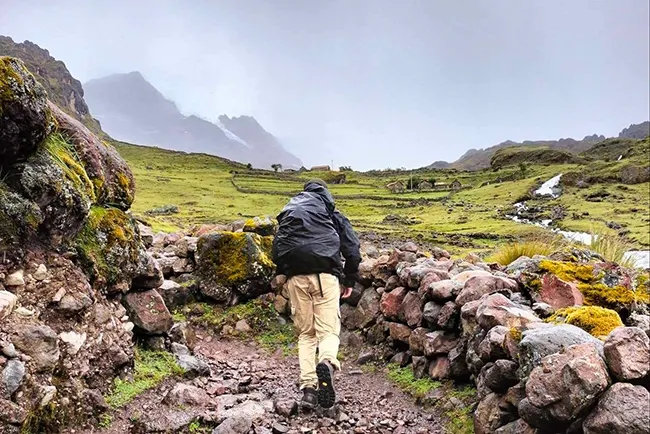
{"points": [[230, 134], [550, 187]]}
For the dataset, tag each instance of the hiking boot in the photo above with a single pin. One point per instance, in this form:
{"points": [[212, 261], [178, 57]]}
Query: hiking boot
{"points": [[309, 398], [326, 394]]}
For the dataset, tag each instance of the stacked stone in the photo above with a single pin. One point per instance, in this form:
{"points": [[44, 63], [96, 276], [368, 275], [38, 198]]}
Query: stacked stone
{"points": [[469, 321]]}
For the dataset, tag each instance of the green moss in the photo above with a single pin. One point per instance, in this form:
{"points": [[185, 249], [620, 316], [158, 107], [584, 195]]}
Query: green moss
{"points": [[595, 320], [151, 368], [405, 380], [460, 421], [105, 420], [598, 294], [569, 271], [230, 258], [107, 244], [64, 155]]}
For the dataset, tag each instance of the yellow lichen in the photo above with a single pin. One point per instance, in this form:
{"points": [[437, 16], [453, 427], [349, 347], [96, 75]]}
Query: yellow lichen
{"points": [[515, 334], [569, 271], [595, 320], [124, 182], [615, 297]]}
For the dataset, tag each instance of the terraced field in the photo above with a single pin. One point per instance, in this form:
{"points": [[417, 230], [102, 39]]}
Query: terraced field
{"points": [[208, 189]]}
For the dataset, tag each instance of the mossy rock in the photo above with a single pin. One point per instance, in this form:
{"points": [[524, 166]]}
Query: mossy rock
{"points": [[234, 261], [595, 320], [569, 271], [55, 181], [19, 218], [109, 247], [25, 119], [261, 225], [110, 175]]}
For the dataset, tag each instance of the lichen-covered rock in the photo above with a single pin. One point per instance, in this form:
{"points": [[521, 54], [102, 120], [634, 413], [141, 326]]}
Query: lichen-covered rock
{"points": [[539, 343], [148, 274], [19, 219], [230, 261], [25, 119], [595, 320], [148, 312], [261, 225], [112, 180], [627, 351], [566, 384], [109, 248], [623, 409]]}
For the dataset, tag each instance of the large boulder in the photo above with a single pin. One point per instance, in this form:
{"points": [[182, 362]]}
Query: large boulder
{"points": [[565, 385], [541, 342], [25, 119], [627, 351], [148, 312], [623, 409], [230, 261]]}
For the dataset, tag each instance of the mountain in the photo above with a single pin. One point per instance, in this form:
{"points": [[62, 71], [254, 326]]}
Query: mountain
{"points": [[477, 159], [636, 131], [62, 88], [132, 110]]}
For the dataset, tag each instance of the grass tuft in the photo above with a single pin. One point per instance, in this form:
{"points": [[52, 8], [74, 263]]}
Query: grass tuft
{"points": [[611, 247], [151, 368], [508, 253], [405, 380]]}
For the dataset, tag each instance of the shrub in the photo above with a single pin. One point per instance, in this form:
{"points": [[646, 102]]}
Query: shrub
{"points": [[595, 320]]}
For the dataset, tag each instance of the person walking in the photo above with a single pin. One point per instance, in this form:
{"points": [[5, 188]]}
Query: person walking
{"points": [[311, 238]]}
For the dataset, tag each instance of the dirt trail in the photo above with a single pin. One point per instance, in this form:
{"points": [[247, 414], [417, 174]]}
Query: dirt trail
{"points": [[248, 384]]}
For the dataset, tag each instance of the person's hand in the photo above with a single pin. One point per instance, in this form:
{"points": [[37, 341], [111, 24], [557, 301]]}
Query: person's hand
{"points": [[346, 293]]}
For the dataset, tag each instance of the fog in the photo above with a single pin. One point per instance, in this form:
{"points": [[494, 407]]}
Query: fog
{"points": [[368, 83]]}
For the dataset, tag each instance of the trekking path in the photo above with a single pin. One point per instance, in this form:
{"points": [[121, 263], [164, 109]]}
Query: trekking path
{"points": [[252, 391]]}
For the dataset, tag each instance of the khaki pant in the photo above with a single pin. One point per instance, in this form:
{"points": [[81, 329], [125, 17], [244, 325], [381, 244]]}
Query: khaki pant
{"points": [[318, 321]]}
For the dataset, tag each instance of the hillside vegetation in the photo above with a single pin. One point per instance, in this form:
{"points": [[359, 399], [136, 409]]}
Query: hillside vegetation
{"points": [[597, 195]]}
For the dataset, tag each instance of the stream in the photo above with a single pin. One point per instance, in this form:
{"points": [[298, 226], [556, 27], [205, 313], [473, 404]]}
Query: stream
{"points": [[552, 189]]}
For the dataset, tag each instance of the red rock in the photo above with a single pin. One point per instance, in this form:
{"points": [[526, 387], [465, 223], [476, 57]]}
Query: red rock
{"points": [[439, 342], [477, 286], [558, 293], [497, 310], [148, 312], [411, 309], [391, 302], [426, 283], [624, 408], [566, 384], [627, 351], [440, 368], [399, 332]]}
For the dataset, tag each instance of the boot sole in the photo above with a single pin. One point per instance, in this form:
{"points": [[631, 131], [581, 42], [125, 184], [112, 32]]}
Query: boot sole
{"points": [[326, 394]]}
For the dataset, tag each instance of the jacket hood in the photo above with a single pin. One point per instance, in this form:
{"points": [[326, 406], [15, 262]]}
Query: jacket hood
{"points": [[322, 192]]}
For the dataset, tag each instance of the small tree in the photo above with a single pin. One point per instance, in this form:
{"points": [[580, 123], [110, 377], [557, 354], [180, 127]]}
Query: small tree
{"points": [[345, 169], [276, 166], [523, 169], [249, 166]]}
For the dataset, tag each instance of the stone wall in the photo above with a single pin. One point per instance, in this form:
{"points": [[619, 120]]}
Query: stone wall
{"points": [[506, 330]]}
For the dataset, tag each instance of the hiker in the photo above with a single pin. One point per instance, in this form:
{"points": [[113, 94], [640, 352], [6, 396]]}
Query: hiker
{"points": [[307, 248]]}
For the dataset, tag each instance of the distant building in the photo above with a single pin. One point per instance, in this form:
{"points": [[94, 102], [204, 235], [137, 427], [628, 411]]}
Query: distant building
{"points": [[396, 187], [290, 170], [302, 169], [425, 185], [320, 169], [456, 185]]}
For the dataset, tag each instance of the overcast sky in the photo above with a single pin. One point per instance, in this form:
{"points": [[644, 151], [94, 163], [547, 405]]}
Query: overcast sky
{"points": [[368, 83]]}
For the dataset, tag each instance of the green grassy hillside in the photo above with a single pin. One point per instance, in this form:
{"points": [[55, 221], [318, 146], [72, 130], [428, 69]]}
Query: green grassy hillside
{"points": [[208, 189]]}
